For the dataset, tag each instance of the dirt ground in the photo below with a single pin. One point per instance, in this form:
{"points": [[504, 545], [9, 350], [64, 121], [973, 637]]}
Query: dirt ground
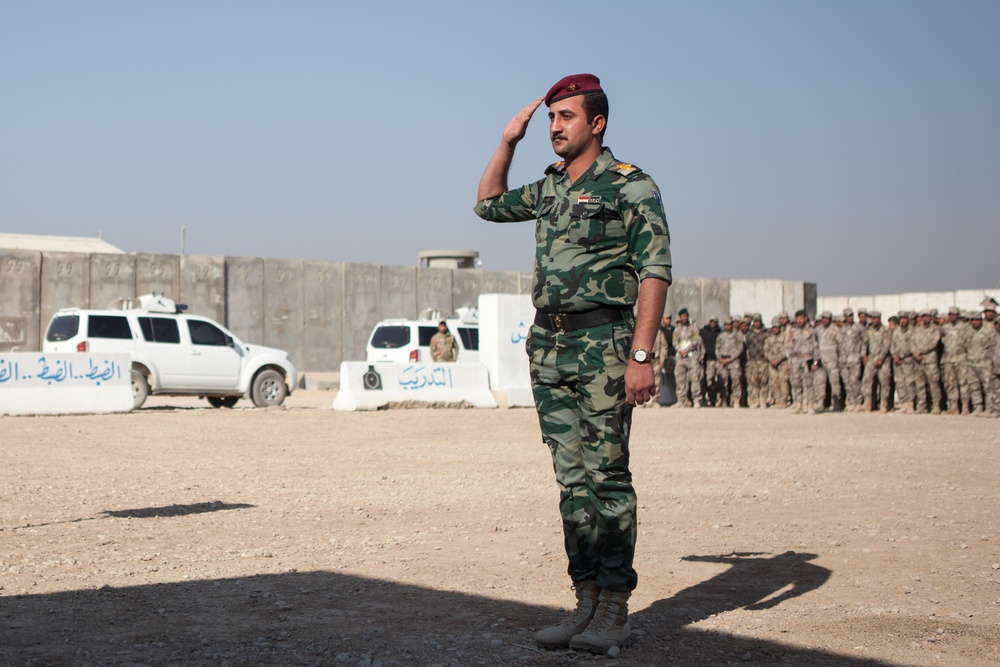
{"points": [[184, 535]]}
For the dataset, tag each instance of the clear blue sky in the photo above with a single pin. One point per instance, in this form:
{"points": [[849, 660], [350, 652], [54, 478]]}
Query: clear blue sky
{"points": [[851, 144]]}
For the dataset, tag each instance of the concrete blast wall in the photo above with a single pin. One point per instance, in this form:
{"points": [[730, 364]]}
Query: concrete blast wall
{"points": [[890, 304], [321, 312]]}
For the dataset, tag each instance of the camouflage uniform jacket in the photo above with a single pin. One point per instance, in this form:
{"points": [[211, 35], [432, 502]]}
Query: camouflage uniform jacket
{"points": [[877, 343], [851, 344], [902, 343], [443, 347], [925, 341], [982, 344], [775, 348], [755, 341], [729, 345], [595, 239], [955, 338], [829, 343], [802, 343], [687, 338]]}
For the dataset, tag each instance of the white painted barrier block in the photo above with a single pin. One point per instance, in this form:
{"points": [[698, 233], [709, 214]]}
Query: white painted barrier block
{"points": [[504, 320], [365, 386], [36, 383]]}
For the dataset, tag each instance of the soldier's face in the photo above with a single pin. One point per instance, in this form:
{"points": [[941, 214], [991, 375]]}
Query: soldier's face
{"points": [[976, 324], [569, 131], [800, 320], [683, 318]]}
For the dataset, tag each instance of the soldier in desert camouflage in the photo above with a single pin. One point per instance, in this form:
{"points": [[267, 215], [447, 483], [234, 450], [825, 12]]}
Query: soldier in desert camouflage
{"points": [[776, 350]]}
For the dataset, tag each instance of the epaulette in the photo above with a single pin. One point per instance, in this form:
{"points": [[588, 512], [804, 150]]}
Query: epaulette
{"points": [[624, 168], [556, 168]]}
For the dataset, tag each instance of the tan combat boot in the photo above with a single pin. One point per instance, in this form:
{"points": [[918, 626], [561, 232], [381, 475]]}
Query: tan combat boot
{"points": [[558, 636], [609, 627]]}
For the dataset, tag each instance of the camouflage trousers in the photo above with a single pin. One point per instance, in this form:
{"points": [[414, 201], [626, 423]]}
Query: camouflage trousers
{"points": [[883, 393], [955, 379], [850, 375], [578, 382], [979, 386], [828, 372], [994, 406], [730, 379], [926, 376], [803, 392], [778, 384], [902, 375], [757, 383], [713, 381], [687, 374]]}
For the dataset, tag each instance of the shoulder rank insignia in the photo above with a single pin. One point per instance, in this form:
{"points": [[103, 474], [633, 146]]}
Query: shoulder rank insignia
{"points": [[558, 166], [624, 168]]}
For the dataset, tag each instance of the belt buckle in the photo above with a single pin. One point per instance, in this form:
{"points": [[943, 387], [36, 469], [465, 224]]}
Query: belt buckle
{"points": [[557, 322]]}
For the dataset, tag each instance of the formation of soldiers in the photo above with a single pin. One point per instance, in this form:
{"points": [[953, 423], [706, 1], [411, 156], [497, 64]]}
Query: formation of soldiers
{"points": [[914, 362]]}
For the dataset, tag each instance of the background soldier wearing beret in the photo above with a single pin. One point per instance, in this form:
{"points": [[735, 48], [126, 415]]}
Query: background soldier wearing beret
{"points": [[600, 233]]}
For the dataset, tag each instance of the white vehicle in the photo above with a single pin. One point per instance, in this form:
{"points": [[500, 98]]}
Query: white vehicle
{"points": [[174, 353], [408, 341]]}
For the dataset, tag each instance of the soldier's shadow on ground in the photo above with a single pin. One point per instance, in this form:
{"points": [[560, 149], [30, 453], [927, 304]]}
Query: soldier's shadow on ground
{"points": [[321, 617]]}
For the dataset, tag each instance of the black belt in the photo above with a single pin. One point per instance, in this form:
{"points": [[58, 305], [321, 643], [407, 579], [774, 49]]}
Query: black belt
{"points": [[566, 322]]}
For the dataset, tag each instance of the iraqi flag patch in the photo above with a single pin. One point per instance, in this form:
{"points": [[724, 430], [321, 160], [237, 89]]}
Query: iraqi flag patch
{"points": [[589, 199]]}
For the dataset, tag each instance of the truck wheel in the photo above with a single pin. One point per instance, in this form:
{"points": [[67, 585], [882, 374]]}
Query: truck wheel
{"points": [[269, 389], [140, 389], [222, 401]]}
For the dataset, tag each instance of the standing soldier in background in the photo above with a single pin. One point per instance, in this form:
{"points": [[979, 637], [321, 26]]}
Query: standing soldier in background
{"points": [[924, 344], [863, 318], [994, 407], [728, 348], [776, 350], [443, 345], [803, 353], [902, 363], [709, 335], [849, 354], [984, 337], [989, 310], [955, 336], [687, 371], [756, 367], [829, 345], [877, 365], [663, 363]]}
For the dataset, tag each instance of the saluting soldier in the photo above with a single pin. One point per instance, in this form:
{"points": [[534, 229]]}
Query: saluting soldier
{"points": [[602, 250]]}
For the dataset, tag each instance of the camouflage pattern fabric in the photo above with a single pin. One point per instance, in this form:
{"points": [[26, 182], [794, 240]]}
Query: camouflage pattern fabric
{"points": [[981, 366], [902, 366], [443, 347], [802, 347], [926, 376], [955, 338], [578, 381], [728, 348], [849, 355], [878, 366], [595, 239], [778, 382], [756, 368]]}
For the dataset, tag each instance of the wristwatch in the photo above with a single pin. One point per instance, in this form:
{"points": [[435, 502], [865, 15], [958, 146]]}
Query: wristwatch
{"points": [[640, 356]]}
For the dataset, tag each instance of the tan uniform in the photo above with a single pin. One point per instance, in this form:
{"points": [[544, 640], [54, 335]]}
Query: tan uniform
{"points": [[849, 355], [687, 342], [878, 366], [756, 370], [778, 386], [955, 337], [803, 351], [926, 376], [728, 348], [902, 367]]}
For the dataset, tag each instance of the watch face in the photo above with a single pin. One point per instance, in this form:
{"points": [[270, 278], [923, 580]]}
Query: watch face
{"points": [[639, 355]]}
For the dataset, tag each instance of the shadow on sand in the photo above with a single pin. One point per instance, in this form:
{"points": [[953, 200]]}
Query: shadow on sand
{"points": [[320, 617]]}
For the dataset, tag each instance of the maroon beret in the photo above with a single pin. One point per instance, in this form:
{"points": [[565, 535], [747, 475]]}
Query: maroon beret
{"points": [[576, 84]]}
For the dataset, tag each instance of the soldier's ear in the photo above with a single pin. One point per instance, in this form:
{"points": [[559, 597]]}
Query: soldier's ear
{"points": [[598, 124]]}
